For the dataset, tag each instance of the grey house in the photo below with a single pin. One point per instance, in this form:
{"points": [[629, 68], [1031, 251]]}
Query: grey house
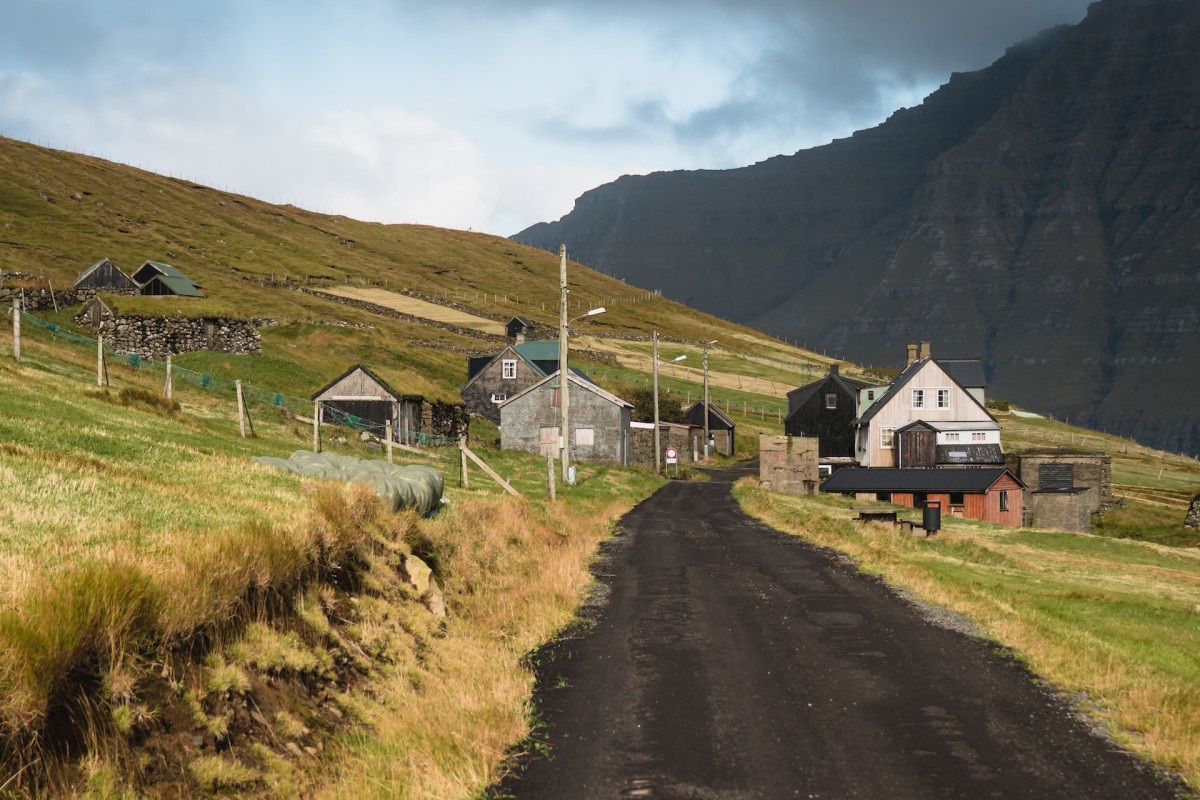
{"points": [[598, 421], [493, 379]]}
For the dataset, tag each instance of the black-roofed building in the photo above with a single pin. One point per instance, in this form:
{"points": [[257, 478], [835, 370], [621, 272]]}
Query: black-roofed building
{"points": [[825, 410], [990, 494], [720, 427]]}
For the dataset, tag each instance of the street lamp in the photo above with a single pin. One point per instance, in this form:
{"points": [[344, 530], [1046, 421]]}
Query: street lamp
{"points": [[564, 443], [657, 438], [707, 345]]}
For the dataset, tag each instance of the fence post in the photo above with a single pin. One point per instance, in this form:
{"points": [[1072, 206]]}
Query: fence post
{"points": [[462, 463], [101, 367], [316, 426], [241, 409], [388, 432], [16, 312], [169, 389], [550, 474]]}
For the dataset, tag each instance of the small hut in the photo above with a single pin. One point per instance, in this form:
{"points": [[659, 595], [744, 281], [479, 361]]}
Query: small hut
{"points": [[157, 278], [720, 426], [104, 274], [361, 398]]}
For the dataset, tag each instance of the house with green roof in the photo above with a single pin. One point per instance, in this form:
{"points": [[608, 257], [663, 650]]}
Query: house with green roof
{"points": [[157, 278]]}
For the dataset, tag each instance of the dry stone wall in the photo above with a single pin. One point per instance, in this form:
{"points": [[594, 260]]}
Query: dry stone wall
{"points": [[158, 337]]}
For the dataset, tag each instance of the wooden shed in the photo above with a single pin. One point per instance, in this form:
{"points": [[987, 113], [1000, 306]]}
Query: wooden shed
{"points": [[720, 427], [361, 398], [157, 278], [104, 274]]}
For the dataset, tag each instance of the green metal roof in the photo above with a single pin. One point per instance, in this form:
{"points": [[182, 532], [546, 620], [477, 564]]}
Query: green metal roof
{"points": [[539, 351], [178, 284]]}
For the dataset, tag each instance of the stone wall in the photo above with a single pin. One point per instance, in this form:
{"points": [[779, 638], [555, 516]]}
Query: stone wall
{"points": [[158, 337], [1089, 470], [39, 298], [1193, 516], [788, 464], [681, 438]]}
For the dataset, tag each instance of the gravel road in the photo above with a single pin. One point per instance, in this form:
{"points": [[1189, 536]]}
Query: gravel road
{"points": [[722, 659]]}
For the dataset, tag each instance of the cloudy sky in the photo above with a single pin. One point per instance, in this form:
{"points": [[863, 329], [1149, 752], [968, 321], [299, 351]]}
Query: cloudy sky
{"points": [[488, 115]]}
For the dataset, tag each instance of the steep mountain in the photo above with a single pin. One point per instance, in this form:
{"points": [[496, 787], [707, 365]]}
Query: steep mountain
{"points": [[1042, 213]]}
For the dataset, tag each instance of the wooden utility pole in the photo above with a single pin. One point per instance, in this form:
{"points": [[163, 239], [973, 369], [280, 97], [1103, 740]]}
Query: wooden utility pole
{"points": [[169, 389], [657, 435], [462, 463], [564, 433]]}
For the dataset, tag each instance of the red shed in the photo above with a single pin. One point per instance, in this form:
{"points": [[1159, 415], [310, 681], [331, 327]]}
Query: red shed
{"points": [[987, 494]]}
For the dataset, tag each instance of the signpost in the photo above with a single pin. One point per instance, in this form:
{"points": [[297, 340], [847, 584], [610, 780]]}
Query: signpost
{"points": [[673, 458]]}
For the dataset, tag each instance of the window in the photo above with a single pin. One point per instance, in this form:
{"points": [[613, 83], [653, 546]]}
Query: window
{"points": [[951, 437], [883, 497], [957, 499], [870, 394], [1004, 501], [499, 398], [943, 398], [831, 400], [585, 437], [918, 398], [887, 437], [978, 436], [508, 369]]}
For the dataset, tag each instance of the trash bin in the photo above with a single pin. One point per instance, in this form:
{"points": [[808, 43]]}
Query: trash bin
{"points": [[931, 518]]}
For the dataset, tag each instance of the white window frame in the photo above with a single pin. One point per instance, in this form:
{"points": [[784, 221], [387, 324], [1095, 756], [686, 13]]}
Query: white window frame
{"points": [[952, 437], [499, 398], [918, 399], [887, 438], [979, 436], [830, 400], [508, 369], [943, 398]]}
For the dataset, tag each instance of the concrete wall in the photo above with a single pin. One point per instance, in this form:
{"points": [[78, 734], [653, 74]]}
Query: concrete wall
{"points": [[522, 419], [1064, 511], [788, 464]]}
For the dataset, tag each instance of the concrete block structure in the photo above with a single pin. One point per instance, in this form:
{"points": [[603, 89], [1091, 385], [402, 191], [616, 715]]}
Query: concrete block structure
{"points": [[788, 464]]}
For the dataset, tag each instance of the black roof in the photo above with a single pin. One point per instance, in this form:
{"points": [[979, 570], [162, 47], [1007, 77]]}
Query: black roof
{"points": [[915, 480], [969, 454], [967, 373], [800, 396]]}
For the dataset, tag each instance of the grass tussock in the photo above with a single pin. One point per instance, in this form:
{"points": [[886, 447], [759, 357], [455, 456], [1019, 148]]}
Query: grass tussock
{"points": [[1112, 622]]}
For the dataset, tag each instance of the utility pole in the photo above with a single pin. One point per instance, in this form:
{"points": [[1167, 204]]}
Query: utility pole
{"points": [[707, 451], [563, 432], [657, 443]]}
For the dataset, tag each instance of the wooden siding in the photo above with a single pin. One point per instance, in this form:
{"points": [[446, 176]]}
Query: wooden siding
{"points": [[832, 427], [976, 505], [106, 275], [898, 412]]}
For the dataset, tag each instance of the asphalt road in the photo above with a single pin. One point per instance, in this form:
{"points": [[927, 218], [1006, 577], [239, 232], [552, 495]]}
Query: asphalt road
{"points": [[722, 659]]}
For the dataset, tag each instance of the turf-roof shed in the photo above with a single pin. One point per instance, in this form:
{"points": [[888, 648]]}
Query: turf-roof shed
{"points": [[104, 274], [157, 278]]}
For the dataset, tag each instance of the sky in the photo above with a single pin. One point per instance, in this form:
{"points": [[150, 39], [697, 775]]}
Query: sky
{"points": [[489, 115]]}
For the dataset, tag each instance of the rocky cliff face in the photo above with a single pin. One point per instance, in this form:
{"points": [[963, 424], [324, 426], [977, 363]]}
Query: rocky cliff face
{"points": [[1043, 214]]}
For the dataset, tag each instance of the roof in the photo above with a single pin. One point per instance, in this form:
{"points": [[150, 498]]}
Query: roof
{"points": [[162, 269], [953, 425], [177, 284], [382, 384], [522, 321], [509, 351], [967, 373], [953, 479], [713, 412], [576, 380], [93, 268], [966, 454], [801, 395], [902, 380], [540, 350]]}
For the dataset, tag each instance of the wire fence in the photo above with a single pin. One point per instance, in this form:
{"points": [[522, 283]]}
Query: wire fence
{"points": [[296, 406]]}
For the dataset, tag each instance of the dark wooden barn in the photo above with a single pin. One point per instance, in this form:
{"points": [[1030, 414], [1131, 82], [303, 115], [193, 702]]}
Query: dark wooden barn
{"points": [[824, 410], [519, 329], [360, 397], [104, 274], [720, 427]]}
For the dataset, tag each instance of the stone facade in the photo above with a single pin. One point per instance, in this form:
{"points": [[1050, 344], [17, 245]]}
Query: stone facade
{"points": [[1061, 468], [684, 438], [599, 422], [788, 464]]}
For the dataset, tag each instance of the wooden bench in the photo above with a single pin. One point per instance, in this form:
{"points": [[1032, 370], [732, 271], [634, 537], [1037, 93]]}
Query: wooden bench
{"points": [[875, 514]]}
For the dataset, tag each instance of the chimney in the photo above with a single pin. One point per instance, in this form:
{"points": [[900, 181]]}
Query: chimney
{"points": [[833, 369], [924, 351], [912, 355]]}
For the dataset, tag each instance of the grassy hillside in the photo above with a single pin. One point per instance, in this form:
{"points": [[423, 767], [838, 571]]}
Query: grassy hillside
{"points": [[162, 584]]}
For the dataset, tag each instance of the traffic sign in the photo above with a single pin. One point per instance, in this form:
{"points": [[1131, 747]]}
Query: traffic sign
{"points": [[672, 455]]}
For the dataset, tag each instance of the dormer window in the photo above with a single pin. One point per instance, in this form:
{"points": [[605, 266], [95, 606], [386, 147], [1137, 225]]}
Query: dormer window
{"points": [[508, 369]]}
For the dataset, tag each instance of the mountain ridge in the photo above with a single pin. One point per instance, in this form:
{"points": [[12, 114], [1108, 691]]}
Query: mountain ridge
{"points": [[1038, 213]]}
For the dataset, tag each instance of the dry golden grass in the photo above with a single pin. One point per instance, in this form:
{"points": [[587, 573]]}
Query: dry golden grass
{"points": [[418, 308]]}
